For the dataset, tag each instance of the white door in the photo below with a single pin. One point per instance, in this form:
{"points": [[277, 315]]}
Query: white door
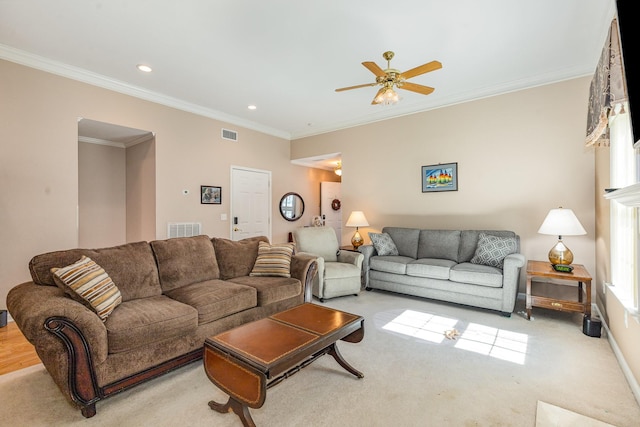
{"points": [[330, 191], [250, 203]]}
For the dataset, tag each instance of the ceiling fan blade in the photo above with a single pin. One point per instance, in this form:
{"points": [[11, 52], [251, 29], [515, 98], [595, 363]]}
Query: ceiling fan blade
{"points": [[356, 87], [375, 69], [377, 94], [424, 68], [425, 90]]}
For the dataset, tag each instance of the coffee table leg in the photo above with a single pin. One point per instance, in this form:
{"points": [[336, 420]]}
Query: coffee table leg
{"points": [[241, 410], [333, 350]]}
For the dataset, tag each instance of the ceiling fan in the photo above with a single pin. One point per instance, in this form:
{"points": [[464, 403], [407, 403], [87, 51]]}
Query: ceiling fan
{"points": [[391, 77]]}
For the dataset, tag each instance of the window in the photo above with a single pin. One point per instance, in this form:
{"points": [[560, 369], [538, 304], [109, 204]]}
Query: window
{"points": [[624, 218]]}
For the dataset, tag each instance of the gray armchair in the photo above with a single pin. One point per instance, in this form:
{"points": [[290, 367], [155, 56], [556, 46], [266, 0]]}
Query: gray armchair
{"points": [[339, 271]]}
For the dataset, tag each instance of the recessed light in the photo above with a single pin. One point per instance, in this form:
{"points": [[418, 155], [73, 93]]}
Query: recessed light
{"points": [[144, 68], [252, 107]]}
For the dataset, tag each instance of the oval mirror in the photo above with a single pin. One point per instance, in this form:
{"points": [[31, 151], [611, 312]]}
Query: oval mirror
{"points": [[291, 206]]}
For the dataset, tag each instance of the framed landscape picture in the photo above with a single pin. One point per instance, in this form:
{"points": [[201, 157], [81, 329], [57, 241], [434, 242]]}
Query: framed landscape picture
{"points": [[210, 195], [441, 177]]}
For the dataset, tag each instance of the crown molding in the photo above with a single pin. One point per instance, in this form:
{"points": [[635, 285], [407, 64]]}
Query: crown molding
{"points": [[54, 67]]}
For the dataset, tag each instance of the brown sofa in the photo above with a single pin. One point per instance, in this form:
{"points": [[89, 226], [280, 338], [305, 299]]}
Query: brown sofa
{"points": [[174, 293]]}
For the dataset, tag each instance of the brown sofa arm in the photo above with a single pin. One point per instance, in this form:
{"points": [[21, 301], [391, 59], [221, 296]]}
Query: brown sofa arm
{"points": [[304, 268], [68, 337]]}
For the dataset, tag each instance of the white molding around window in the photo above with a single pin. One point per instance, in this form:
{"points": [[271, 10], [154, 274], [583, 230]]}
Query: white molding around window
{"points": [[628, 196]]}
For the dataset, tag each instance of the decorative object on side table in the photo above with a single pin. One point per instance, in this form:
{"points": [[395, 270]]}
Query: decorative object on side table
{"points": [[357, 219], [559, 222]]}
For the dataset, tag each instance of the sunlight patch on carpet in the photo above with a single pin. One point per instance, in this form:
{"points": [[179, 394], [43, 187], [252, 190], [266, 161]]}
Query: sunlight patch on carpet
{"points": [[486, 340]]}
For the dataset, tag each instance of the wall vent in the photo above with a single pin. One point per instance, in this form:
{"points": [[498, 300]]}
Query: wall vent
{"points": [[231, 135], [183, 229]]}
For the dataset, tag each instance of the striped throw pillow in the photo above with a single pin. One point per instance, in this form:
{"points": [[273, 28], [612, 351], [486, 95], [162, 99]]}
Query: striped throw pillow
{"points": [[273, 260], [89, 284]]}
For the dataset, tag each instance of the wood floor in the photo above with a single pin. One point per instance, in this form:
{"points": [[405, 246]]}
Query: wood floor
{"points": [[15, 351]]}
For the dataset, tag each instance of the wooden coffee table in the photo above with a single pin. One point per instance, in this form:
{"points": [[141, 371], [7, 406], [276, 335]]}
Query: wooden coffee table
{"points": [[246, 361]]}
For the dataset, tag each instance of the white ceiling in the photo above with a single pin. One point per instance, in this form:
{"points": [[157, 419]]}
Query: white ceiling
{"points": [[287, 57]]}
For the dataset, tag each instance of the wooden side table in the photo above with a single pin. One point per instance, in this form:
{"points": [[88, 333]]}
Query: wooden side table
{"points": [[348, 248], [556, 296]]}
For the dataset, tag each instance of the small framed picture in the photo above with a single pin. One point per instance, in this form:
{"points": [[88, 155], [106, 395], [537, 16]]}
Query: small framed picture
{"points": [[210, 195], [441, 177]]}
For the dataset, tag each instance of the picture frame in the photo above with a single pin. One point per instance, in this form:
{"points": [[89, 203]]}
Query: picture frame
{"points": [[440, 177], [210, 195]]}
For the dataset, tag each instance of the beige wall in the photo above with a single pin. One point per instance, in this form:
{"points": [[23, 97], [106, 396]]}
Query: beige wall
{"points": [[518, 156], [39, 165], [101, 195], [141, 191]]}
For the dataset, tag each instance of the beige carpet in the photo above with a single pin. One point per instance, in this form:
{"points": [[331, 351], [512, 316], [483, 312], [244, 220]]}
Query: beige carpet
{"points": [[493, 374]]}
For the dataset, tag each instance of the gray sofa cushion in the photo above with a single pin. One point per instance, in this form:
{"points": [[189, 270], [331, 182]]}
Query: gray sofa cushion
{"points": [[476, 274], [430, 267], [390, 264], [439, 244], [406, 240]]}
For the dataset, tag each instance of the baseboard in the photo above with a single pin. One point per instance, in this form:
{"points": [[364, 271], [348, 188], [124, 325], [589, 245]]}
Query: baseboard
{"points": [[635, 387]]}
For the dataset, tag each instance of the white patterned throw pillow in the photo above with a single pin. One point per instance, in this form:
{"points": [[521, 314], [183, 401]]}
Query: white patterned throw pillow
{"points": [[383, 243], [492, 250]]}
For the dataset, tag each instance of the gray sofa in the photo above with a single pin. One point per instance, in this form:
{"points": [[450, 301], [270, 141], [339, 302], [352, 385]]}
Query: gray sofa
{"points": [[448, 265]]}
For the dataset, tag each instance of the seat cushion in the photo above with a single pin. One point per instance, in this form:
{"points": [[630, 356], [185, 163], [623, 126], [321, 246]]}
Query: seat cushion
{"points": [[271, 289], [215, 299], [143, 321], [185, 260], [390, 264], [476, 274], [336, 270], [434, 268]]}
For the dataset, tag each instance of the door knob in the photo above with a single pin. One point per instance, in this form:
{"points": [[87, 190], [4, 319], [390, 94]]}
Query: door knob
{"points": [[236, 229]]}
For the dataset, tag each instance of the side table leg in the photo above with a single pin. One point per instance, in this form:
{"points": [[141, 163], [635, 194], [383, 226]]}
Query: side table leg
{"points": [[333, 350], [528, 306], [238, 408]]}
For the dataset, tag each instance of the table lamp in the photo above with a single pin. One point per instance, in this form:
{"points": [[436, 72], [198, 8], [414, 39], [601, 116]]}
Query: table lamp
{"points": [[357, 219], [561, 222]]}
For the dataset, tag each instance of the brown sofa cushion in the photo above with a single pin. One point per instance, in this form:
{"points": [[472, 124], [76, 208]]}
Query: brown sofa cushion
{"points": [[144, 321], [215, 299], [185, 260], [236, 258], [132, 267], [271, 289]]}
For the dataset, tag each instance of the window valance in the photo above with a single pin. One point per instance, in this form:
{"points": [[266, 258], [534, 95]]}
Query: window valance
{"points": [[608, 89]]}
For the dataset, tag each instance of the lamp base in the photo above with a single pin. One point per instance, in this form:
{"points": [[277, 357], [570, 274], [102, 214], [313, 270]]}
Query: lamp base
{"points": [[357, 240], [560, 254]]}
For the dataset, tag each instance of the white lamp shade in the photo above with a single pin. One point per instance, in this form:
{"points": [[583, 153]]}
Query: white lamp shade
{"points": [[357, 219], [561, 222]]}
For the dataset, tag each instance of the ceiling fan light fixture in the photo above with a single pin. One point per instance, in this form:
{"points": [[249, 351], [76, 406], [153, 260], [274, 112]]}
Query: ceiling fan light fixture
{"points": [[338, 169], [388, 97]]}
